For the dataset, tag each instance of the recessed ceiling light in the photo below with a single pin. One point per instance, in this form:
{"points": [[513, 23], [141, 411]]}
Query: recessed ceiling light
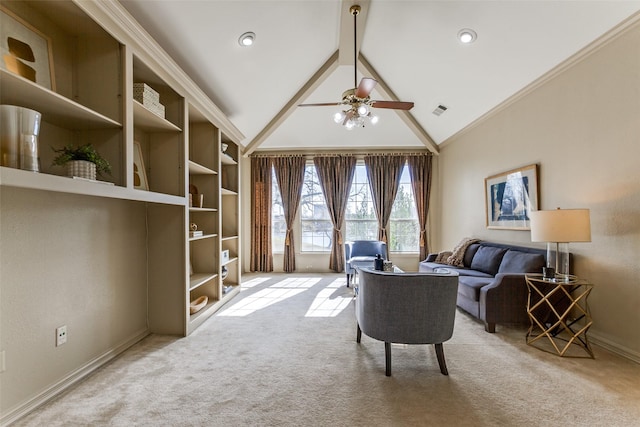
{"points": [[247, 39], [467, 36]]}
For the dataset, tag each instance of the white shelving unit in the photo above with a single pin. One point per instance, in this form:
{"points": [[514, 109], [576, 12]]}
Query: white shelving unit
{"points": [[104, 53]]}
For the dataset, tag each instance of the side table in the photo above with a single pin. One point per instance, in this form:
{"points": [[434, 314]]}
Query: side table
{"points": [[559, 311]]}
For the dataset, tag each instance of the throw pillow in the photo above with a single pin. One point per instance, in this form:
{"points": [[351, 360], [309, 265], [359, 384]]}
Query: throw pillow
{"points": [[521, 262], [457, 257], [488, 259], [442, 257]]}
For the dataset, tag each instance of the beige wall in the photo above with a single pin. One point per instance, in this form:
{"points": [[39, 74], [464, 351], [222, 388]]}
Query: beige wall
{"points": [[68, 260], [582, 128]]}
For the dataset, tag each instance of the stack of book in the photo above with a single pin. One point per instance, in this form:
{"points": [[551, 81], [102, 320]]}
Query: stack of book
{"points": [[149, 98], [196, 233]]}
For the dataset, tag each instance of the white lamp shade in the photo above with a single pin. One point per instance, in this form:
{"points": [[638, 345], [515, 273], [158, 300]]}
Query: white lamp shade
{"points": [[561, 226]]}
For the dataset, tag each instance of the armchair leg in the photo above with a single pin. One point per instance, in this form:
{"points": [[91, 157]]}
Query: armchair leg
{"points": [[441, 362], [348, 279], [490, 327], [358, 334], [387, 359]]}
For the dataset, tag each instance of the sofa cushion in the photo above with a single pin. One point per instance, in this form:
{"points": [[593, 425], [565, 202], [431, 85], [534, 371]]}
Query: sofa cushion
{"points": [[487, 259], [430, 266], [469, 254], [521, 262], [470, 286]]}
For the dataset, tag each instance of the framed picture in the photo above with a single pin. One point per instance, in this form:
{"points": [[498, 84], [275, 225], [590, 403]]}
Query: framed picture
{"points": [[25, 51], [139, 173], [510, 197]]}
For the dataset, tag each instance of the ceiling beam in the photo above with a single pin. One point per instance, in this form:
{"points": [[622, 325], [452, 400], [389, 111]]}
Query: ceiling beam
{"points": [[383, 89], [312, 84], [345, 43]]}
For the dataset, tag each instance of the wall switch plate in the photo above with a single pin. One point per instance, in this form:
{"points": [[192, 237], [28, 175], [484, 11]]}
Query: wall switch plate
{"points": [[61, 335], [3, 367]]}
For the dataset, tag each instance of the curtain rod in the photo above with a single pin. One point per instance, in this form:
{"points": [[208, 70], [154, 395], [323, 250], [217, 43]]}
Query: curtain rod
{"points": [[343, 153]]}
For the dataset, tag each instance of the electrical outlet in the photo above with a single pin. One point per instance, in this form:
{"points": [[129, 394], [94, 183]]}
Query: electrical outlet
{"points": [[61, 335]]}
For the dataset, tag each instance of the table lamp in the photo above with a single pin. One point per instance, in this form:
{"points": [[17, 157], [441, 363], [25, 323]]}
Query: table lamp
{"points": [[560, 227]]}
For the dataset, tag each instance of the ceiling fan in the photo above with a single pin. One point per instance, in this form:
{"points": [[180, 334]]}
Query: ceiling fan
{"points": [[357, 99]]}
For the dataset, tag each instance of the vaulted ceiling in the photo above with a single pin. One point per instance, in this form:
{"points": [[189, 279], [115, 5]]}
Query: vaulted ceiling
{"points": [[304, 53]]}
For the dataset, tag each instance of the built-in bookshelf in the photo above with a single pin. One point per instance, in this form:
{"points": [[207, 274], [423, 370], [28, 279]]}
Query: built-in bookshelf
{"points": [[156, 158]]}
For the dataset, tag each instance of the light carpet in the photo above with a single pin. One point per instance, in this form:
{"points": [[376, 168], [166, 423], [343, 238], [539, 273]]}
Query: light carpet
{"points": [[283, 353]]}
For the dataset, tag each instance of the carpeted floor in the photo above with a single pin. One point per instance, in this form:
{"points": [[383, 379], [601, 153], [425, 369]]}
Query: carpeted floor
{"points": [[283, 353]]}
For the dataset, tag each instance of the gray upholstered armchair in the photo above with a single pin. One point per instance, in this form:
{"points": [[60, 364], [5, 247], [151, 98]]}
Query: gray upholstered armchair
{"points": [[361, 253], [407, 308]]}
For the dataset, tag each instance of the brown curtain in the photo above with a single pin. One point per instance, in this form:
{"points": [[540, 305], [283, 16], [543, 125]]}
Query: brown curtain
{"points": [[384, 179], [420, 171], [261, 255], [290, 175], [336, 174]]}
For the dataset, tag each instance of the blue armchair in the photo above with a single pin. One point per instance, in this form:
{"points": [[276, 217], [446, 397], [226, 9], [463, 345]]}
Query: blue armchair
{"points": [[360, 254]]}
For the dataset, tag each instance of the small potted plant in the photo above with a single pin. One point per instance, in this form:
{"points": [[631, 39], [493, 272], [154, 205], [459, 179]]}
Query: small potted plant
{"points": [[82, 161]]}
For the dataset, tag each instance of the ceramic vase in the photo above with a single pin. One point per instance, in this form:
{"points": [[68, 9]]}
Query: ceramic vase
{"points": [[19, 128]]}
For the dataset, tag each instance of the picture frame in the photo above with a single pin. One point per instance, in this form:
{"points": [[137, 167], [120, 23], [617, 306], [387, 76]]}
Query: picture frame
{"points": [[25, 50], [139, 172], [510, 197]]}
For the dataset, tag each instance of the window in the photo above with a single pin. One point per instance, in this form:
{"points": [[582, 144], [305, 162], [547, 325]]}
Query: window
{"points": [[360, 218], [278, 224], [403, 223], [361, 221], [315, 221]]}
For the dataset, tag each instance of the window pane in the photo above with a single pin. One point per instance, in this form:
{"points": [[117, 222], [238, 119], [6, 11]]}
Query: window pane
{"points": [[278, 224], [403, 223], [360, 217], [315, 222]]}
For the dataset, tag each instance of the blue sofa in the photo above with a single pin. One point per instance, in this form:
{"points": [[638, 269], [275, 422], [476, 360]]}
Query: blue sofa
{"points": [[492, 286]]}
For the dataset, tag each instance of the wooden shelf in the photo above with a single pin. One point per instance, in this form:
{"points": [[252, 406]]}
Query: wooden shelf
{"points": [[10, 177], [230, 261], [229, 237], [192, 209], [150, 122], [197, 169], [227, 160], [206, 236], [227, 192], [55, 108], [198, 279]]}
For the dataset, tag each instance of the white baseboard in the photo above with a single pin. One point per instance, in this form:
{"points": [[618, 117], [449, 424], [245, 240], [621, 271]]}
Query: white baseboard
{"points": [[613, 347], [80, 373]]}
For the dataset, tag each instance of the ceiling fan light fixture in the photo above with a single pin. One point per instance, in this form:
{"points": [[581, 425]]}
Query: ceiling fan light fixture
{"points": [[339, 117], [247, 39], [373, 119], [467, 35], [363, 110]]}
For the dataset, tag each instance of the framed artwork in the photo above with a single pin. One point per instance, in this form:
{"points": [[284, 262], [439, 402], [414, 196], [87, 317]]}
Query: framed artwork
{"points": [[139, 173], [510, 197], [25, 50]]}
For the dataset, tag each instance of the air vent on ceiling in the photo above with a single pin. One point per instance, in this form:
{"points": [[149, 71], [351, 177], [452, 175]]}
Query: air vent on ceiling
{"points": [[439, 110]]}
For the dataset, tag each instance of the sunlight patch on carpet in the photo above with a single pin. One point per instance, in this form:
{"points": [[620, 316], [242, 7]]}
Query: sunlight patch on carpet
{"points": [[254, 282], [273, 294], [327, 303]]}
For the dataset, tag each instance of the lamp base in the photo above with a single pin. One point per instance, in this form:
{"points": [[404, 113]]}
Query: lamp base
{"points": [[558, 258]]}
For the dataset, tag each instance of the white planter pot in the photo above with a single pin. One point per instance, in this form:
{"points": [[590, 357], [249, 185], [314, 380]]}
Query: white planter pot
{"points": [[81, 169]]}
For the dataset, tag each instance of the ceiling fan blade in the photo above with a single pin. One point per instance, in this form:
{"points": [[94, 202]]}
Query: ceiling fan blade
{"points": [[394, 105], [365, 87], [321, 104]]}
